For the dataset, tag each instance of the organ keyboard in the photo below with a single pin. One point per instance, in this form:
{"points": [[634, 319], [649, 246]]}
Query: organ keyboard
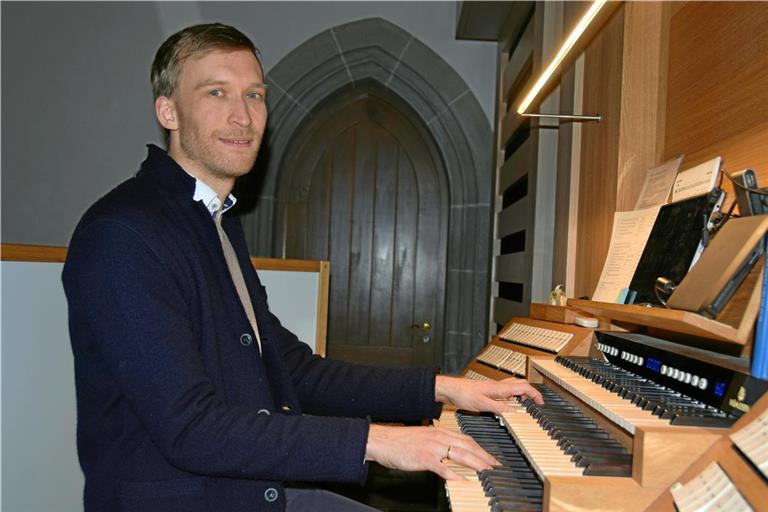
{"points": [[621, 422]]}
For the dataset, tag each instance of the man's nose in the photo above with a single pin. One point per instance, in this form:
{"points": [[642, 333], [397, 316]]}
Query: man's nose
{"points": [[240, 115]]}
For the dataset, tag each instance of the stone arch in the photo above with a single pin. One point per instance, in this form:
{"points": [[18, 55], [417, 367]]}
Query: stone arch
{"points": [[376, 50]]}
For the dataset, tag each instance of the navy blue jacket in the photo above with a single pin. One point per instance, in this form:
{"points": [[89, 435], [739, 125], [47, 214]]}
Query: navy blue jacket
{"points": [[177, 411]]}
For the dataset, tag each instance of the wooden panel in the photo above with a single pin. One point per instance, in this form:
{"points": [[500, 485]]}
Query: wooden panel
{"points": [[385, 212], [404, 286], [287, 264], [21, 252], [557, 314], [430, 258], [641, 130], [743, 474], [718, 83], [361, 236], [518, 165], [319, 204], [510, 268], [340, 242], [672, 320], [377, 181], [321, 327], [513, 218], [599, 153]]}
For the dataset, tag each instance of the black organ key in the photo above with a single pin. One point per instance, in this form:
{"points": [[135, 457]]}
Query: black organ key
{"points": [[667, 404], [578, 435], [514, 486]]}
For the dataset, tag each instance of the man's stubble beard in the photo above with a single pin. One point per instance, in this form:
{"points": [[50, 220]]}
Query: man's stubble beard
{"points": [[212, 162]]}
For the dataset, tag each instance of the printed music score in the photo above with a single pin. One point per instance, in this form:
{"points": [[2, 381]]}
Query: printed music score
{"points": [[538, 337], [628, 239], [712, 490], [658, 182], [752, 440]]}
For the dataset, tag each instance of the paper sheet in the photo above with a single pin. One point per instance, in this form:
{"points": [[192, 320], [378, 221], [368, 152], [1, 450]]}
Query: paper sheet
{"points": [[657, 184], [696, 180], [628, 238]]}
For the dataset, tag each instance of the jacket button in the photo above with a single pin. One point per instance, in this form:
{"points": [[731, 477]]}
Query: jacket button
{"points": [[287, 408], [270, 494], [246, 339], [263, 411]]}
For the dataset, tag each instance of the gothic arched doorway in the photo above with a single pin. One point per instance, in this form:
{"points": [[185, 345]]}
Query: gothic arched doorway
{"points": [[362, 185], [375, 50]]}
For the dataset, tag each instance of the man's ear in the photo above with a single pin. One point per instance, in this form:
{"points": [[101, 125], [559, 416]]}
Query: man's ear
{"points": [[165, 110]]}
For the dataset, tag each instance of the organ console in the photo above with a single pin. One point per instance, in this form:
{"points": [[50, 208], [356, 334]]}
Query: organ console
{"points": [[630, 422]]}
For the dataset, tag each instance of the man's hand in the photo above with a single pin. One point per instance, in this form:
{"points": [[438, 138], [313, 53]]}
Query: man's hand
{"points": [[424, 448], [483, 395]]}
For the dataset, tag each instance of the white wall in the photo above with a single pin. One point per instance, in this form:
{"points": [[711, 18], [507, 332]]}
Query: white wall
{"points": [[76, 104]]}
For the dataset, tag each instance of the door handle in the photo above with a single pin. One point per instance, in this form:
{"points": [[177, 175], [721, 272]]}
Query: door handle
{"points": [[423, 326]]}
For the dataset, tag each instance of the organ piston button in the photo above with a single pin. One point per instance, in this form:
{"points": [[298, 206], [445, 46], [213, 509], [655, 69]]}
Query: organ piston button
{"points": [[663, 369], [703, 383], [695, 380]]}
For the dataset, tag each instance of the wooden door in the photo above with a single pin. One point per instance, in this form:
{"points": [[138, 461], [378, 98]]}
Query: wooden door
{"points": [[366, 191]]}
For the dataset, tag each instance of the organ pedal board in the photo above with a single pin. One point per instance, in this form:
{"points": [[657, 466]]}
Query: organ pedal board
{"points": [[617, 431]]}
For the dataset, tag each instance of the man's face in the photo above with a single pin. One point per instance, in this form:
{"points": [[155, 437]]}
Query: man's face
{"points": [[217, 115]]}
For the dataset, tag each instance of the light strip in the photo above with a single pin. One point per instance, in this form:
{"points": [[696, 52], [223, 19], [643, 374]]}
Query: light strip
{"points": [[574, 36]]}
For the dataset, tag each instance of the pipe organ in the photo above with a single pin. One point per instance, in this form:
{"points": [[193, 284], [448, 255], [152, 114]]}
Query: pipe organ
{"points": [[626, 419]]}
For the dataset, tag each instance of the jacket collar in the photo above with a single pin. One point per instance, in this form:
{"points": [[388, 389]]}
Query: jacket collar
{"points": [[162, 169]]}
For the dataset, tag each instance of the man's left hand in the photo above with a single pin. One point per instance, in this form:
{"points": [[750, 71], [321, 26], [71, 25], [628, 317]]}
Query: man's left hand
{"points": [[483, 395]]}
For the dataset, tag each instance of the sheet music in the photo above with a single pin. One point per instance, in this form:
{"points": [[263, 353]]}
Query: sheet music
{"points": [[628, 238], [657, 184], [696, 180]]}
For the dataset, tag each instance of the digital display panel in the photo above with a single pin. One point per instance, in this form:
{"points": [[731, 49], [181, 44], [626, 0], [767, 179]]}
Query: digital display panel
{"points": [[719, 389], [653, 364]]}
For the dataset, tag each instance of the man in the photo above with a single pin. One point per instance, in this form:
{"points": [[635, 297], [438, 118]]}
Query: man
{"points": [[191, 395]]}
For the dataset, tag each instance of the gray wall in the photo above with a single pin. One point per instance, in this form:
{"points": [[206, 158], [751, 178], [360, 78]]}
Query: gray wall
{"points": [[76, 104], [40, 471]]}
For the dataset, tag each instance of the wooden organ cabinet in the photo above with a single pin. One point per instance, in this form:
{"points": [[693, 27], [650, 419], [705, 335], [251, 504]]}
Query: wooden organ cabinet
{"points": [[630, 421], [651, 420]]}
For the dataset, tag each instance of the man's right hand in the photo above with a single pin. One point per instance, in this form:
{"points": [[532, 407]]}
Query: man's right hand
{"points": [[424, 448]]}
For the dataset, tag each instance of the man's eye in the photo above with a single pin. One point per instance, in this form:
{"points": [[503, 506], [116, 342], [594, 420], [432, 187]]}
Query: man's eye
{"points": [[214, 92], [255, 96]]}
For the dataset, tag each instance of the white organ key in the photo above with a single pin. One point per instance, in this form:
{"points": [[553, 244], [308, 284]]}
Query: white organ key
{"points": [[464, 495], [621, 411], [540, 449]]}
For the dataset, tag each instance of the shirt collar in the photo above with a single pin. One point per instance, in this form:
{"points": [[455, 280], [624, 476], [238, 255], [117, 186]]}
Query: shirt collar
{"points": [[209, 198]]}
